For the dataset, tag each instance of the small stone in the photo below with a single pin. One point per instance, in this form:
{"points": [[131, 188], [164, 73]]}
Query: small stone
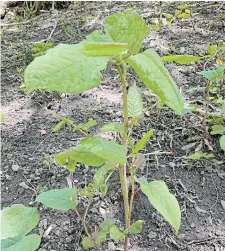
{"points": [[192, 225], [152, 235], [172, 164], [58, 232], [15, 167], [8, 177], [111, 246], [223, 204], [102, 211], [47, 232], [42, 249], [24, 185], [43, 223], [182, 50], [94, 210]]}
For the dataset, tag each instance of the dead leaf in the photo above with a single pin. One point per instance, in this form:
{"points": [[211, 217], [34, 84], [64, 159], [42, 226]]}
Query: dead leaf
{"points": [[140, 161], [199, 210], [208, 144], [43, 132], [186, 147], [198, 148]]}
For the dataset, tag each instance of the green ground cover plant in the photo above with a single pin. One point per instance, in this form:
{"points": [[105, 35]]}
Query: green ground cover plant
{"points": [[74, 68]]}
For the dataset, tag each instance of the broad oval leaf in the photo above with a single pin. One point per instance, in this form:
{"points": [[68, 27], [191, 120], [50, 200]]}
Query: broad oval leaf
{"points": [[87, 242], [214, 75], [113, 127], [106, 225], [65, 69], [134, 102], [155, 76], [27, 243], [101, 175], [126, 27], [163, 201], [217, 129], [18, 220], [103, 49], [115, 233], [105, 149], [181, 59], [99, 36], [61, 199], [80, 154], [212, 49], [142, 142], [135, 228], [222, 143]]}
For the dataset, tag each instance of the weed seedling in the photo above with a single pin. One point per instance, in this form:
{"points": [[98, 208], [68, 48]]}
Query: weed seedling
{"points": [[74, 68]]}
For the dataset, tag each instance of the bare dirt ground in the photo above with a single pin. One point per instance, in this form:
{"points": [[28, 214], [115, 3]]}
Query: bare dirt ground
{"points": [[28, 145]]}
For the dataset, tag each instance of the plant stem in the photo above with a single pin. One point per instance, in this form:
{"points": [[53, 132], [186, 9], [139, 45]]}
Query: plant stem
{"points": [[83, 220], [206, 109], [132, 190], [123, 169]]}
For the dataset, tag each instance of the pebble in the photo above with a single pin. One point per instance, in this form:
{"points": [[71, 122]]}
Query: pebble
{"points": [[111, 246], [192, 225], [152, 235], [8, 177], [223, 204], [43, 223], [102, 211], [15, 167]]}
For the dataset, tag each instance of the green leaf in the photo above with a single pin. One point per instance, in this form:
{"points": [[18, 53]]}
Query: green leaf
{"points": [[223, 107], [167, 15], [189, 108], [27, 243], [103, 49], [125, 27], [64, 69], [101, 175], [196, 89], [113, 127], [87, 243], [181, 59], [106, 225], [18, 220], [222, 143], [100, 237], [59, 126], [214, 75], [80, 154], [86, 126], [99, 36], [142, 142], [2, 116], [61, 199], [217, 129], [71, 166], [155, 76], [199, 155], [105, 149], [212, 49], [135, 228], [135, 103], [163, 201], [115, 233]]}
